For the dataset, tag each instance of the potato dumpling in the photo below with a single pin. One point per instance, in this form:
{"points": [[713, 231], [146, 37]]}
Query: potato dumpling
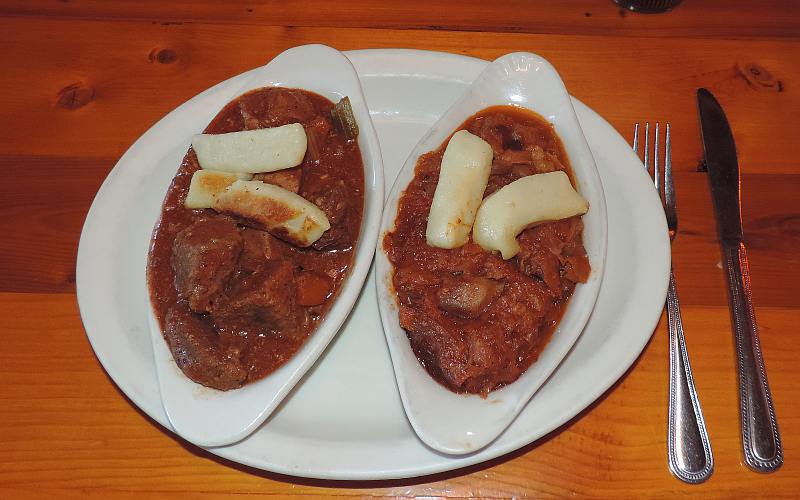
{"points": [[206, 185], [463, 176], [528, 201], [252, 151], [282, 213]]}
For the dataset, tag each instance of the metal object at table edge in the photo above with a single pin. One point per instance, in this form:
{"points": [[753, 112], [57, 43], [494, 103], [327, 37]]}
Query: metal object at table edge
{"points": [[689, 454], [761, 441], [648, 6]]}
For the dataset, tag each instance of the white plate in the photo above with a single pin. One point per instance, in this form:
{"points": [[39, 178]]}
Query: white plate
{"points": [[464, 423], [345, 419], [208, 417]]}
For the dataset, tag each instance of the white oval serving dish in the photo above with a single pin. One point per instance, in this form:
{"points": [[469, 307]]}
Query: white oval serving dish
{"points": [[208, 417], [464, 423]]}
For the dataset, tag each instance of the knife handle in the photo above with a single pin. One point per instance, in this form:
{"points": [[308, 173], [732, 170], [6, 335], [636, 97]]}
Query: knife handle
{"points": [[761, 439]]}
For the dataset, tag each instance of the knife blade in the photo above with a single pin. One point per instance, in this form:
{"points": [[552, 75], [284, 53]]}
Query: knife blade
{"points": [[761, 441], [723, 166]]}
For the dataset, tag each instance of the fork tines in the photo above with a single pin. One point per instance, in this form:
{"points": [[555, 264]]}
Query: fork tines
{"points": [[661, 172]]}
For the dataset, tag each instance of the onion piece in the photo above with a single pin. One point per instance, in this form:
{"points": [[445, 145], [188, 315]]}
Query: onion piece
{"points": [[343, 118]]}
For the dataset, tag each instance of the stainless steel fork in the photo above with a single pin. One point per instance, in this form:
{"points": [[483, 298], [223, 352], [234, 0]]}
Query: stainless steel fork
{"points": [[688, 447]]}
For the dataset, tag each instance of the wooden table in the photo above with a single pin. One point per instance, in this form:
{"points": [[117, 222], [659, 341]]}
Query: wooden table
{"points": [[82, 80]]}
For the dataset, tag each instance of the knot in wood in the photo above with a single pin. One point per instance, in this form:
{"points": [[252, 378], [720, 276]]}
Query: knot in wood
{"points": [[790, 226], [75, 95], [758, 76], [163, 56]]}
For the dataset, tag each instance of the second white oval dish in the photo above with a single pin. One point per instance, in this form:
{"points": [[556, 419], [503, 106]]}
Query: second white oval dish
{"points": [[208, 417], [459, 424]]}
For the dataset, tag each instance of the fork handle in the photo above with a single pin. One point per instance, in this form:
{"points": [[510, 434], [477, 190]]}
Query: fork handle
{"points": [[761, 440], [688, 446]]}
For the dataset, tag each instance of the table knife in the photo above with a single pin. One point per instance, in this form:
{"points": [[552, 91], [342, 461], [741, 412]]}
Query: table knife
{"points": [[761, 439]]}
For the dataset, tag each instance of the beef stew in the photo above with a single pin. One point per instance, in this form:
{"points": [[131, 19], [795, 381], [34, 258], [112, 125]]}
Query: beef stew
{"points": [[475, 321], [235, 302]]}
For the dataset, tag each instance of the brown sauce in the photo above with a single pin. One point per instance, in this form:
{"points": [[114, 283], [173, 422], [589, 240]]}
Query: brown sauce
{"points": [[475, 321], [235, 303]]}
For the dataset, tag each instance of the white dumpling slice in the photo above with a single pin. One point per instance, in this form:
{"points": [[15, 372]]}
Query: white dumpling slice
{"points": [[528, 201], [252, 151], [282, 213], [206, 185], [466, 165]]}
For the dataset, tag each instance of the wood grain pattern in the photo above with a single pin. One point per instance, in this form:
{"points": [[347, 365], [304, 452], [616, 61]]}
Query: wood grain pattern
{"points": [[655, 81], [707, 18], [82, 79], [69, 427], [41, 217]]}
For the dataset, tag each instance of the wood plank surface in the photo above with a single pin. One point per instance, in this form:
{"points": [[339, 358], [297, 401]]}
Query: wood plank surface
{"points": [[706, 18], [66, 104], [67, 425], [83, 79]]}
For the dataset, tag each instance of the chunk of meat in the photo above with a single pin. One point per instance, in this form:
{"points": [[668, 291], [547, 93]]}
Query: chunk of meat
{"points": [[533, 160], [336, 205], [511, 165], [551, 251], [290, 106], [333, 202], [467, 296], [439, 349], [544, 161], [515, 157], [288, 179], [573, 255], [529, 134], [321, 126], [253, 111], [500, 167], [204, 257], [539, 261], [489, 362], [496, 130], [568, 230], [313, 288], [262, 301], [317, 135], [199, 352], [576, 267], [413, 277], [410, 283], [251, 122], [522, 170], [466, 361], [259, 248]]}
